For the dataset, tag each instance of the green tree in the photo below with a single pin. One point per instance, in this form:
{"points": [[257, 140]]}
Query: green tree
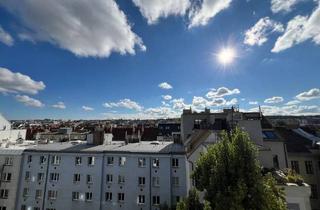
{"points": [[230, 175], [192, 202]]}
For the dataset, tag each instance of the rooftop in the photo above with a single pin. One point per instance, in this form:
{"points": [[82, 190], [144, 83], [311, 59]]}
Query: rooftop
{"points": [[114, 147]]}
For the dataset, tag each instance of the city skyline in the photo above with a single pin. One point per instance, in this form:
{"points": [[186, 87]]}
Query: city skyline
{"points": [[133, 59]]}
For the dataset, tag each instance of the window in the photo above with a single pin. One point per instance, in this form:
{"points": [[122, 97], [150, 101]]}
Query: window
{"points": [[156, 181], [109, 178], [78, 161], [89, 179], [121, 179], [23, 207], [36, 208], [55, 160], [178, 199], [88, 196], [38, 194], [27, 176], [122, 161], [91, 161], [25, 192], [142, 162], [314, 191], [141, 199], [43, 160], [54, 177], [309, 167], [75, 196], [40, 177], [155, 163], [76, 177], [3, 208], [269, 135], [275, 161], [6, 177], [155, 200], [175, 181], [108, 196], [295, 166], [4, 193], [52, 194], [50, 209], [8, 161], [142, 181], [120, 197], [110, 160], [175, 162], [29, 159]]}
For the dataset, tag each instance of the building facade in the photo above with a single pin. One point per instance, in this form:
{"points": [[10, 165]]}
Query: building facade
{"points": [[116, 176], [10, 164]]}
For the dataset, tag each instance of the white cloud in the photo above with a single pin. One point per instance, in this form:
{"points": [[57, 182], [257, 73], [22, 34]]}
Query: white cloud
{"points": [[59, 105], [179, 104], [87, 108], [86, 28], [165, 85], [201, 14], [164, 103], [199, 102], [152, 10], [232, 102], [300, 29], [293, 102], [161, 112], [289, 110], [217, 102], [283, 5], [274, 100], [166, 97], [258, 34], [309, 95], [11, 82], [253, 102], [124, 103], [5, 37], [222, 91], [28, 101]]}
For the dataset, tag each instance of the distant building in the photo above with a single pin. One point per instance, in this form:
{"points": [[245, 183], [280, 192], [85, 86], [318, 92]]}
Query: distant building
{"points": [[63, 134], [7, 134]]}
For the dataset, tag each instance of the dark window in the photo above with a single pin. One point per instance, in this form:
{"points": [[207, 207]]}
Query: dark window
{"points": [[314, 191], [155, 200], [309, 167], [295, 166], [275, 161]]}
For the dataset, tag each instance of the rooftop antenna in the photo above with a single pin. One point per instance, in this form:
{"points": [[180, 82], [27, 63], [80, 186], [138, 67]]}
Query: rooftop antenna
{"points": [[260, 111]]}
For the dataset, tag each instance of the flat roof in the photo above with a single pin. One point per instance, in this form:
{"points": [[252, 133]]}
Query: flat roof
{"points": [[115, 147]]}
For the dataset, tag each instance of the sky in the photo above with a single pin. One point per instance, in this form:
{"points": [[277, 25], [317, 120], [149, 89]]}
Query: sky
{"points": [[105, 59]]}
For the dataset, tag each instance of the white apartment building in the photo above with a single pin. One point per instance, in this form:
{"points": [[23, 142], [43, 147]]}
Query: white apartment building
{"points": [[58, 176], [10, 165]]}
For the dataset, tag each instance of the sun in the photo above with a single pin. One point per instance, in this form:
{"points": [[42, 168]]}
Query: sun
{"points": [[226, 55]]}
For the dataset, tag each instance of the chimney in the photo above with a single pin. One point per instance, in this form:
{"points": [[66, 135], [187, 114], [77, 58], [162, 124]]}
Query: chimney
{"points": [[126, 137], [98, 136], [139, 136]]}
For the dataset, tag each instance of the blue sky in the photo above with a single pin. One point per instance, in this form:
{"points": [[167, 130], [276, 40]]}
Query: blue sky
{"points": [[106, 59]]}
